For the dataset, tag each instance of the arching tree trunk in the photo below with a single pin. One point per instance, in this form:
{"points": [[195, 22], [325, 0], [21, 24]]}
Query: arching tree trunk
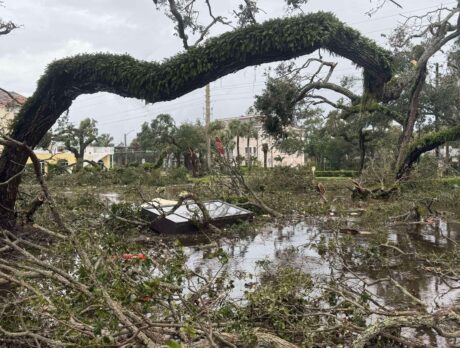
{"points": [[424, 144], [283, 39]]}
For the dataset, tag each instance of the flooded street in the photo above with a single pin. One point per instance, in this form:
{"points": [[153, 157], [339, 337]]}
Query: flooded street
{"points": [[293, 245]]}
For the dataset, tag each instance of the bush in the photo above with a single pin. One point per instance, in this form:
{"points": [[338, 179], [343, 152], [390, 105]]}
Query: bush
{"points": [[293, 179], [145, 175], [337, 173]]}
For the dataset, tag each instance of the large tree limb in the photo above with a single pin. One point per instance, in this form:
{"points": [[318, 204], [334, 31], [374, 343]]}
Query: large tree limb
{"points": [[426, 143]]}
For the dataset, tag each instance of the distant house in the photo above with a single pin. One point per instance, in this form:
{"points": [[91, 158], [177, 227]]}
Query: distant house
{"points": [[9, 107], [275, 157], [59, 156]]}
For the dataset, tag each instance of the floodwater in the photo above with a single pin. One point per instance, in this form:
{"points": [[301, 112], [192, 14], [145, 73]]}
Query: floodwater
{"points": [[293, 245]]}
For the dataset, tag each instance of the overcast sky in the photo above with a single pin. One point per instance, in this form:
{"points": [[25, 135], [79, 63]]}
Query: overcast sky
{"points": [[53, 29]]}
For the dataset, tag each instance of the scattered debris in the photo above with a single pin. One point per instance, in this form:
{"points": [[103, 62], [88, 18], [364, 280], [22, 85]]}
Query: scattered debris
{"points": [[186, 217]]}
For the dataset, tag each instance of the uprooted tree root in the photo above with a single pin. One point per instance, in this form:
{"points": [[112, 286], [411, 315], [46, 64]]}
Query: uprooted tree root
{"points": [[361, 193]]}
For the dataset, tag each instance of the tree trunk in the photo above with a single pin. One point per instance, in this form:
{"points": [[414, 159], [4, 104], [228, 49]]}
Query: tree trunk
{"points": [[79, 163], [238, 149], [426, 143], [414, 101], [362, 148], [447, 159], [177, 155], [265, 158], [248, 154]]}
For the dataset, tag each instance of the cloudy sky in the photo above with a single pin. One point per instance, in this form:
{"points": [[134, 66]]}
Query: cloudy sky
{"points": [[53, 29]]}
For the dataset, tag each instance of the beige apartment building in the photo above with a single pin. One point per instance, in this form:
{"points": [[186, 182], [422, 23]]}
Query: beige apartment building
{"points": [[9, 107], [275, 157]]}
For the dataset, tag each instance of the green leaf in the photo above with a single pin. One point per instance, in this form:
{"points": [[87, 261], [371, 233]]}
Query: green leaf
{"points": [[173, 344]]}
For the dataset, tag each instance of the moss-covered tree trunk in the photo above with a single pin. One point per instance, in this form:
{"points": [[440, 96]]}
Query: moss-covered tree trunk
{"points": [[275, 40], [427, 143]]}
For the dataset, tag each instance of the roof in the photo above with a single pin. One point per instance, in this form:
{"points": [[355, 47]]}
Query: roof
{"points": [[242, 118], [6, 100]]}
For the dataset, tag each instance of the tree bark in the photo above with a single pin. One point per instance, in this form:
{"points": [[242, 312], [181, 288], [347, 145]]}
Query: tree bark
{"points": [[412, 115], [362, 148], [265, 151], [426, 143]]}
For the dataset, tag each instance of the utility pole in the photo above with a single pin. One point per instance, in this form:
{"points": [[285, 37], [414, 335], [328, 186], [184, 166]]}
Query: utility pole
{"points": [[126, 148], [126, 152], [436, 117], [207, 123]]}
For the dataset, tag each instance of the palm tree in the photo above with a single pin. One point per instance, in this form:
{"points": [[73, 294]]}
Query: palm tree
{"points": [[265, 150], [250, 132], [227, 138], [237, 129]]}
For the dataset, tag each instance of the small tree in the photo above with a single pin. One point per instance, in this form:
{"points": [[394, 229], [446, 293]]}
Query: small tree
{"points": [[237, 129], [265, 151], [77, 139], [250, 132]]}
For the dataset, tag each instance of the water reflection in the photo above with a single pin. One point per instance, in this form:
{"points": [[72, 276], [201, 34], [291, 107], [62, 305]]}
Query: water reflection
{"points": [[271, 244], [292, 245]]}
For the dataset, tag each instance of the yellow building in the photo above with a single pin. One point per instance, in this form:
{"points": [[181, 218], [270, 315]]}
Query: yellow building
{"points": [[58, 156]]}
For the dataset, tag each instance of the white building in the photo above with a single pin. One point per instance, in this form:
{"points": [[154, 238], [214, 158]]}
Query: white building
{"points": [[9, 107], [275, 157]]}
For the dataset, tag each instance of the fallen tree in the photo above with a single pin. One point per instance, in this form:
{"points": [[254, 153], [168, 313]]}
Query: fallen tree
{"points": [[275, 40]]}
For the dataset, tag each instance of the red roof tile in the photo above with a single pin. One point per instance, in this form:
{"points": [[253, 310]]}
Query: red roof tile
{"points": [[5, 99]]}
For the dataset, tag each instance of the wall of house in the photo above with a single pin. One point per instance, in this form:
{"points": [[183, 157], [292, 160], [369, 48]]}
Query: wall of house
{"points": [[255, 149], [9, 108], [255, 146], [56, 155], [7, 114]]}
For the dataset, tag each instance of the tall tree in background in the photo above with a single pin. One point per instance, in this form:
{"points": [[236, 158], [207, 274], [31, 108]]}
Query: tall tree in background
{"points": [[237, 130], [250, 131], [77, 139], [105, 140], [423, 36], [158, 136], [190, 143]]}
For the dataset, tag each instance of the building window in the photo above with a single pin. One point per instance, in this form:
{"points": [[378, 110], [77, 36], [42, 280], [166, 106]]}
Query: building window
{"points": [[43, 167], [63, 163]]}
